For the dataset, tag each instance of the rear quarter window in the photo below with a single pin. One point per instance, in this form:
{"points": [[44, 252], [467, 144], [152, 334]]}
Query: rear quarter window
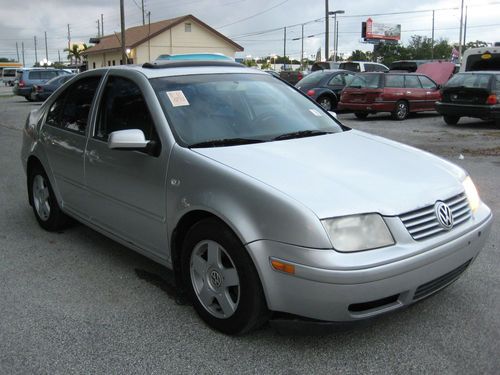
{"points": [[35, 75], [353, 67]]}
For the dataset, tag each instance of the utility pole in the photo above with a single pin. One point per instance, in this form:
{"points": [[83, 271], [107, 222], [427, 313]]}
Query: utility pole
{"points": [[122, 22], [327, 30], [142, 7], [302, 49], [36, 54], [460, 38], [336, 43], [46, 49], [17, 50], [432, 45], [465, 26], [22, 49], [102, 24], [284, 48], [69, 38], [59, 55], [98, 28], [149, 32]]}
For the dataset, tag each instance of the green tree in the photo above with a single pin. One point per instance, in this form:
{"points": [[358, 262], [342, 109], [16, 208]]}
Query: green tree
{"points": [[358, 55], [476, 44], [75, 52]]}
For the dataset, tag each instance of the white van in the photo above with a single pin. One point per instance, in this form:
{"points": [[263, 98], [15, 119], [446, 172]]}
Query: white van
{"points": [[482, 58], [363, 66], [7, 76]]}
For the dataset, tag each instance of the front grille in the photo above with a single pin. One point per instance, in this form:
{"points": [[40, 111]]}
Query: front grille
{"points": [[436, 284], [423, 223]]}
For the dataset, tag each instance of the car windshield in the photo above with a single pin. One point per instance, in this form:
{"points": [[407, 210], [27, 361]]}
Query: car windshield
{"points": [[314, 78], [225, 109], [485, 61], [469, 80], [365, 81]]}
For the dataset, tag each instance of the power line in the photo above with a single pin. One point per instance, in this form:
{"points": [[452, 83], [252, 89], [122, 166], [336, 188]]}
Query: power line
{"points": [[253, 15]]}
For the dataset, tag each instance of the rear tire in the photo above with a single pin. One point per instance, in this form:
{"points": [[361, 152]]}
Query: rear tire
{"points": [[361, 115], [451, 120], [401, 111], [327, 102], [44, 202], [28, 98], [221, 279]]}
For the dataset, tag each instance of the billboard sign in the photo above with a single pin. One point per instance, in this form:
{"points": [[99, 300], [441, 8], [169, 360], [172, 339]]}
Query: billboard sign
{"points": [[380, 31]]}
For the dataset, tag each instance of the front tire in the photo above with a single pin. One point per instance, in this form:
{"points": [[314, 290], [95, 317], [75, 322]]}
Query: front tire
{"points": [[401, 111], [221, 280], [361, 115], [451, 120], [44, 202]]}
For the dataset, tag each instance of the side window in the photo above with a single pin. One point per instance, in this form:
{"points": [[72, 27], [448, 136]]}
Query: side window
{"points": [[71, 109], [497, 84], [369, 68], [412, 82], [348, 78], [123, 107], [427, 83], [47, 74], [379, 68], [337, 80], [35, 75], [394, 81]]}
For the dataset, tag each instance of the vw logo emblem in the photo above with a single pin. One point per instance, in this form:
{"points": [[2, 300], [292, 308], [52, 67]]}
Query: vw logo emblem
{"points": [[215, 278], [444, 215]]}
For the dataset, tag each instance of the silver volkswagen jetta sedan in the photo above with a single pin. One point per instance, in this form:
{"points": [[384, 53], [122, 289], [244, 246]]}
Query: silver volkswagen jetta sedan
{"points": [[256, 197]]}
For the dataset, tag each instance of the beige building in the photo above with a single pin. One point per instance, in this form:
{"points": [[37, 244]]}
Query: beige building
{"points": [[185, 34]]}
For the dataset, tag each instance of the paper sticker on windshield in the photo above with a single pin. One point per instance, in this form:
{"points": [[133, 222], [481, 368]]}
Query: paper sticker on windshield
{"points": [[315, 113], [177, 98]]}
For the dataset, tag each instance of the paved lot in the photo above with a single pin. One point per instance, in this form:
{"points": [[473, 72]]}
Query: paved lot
{"points": [[76, 302]]}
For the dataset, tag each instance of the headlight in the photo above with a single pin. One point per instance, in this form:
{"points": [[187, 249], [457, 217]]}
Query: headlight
{"points": [[358, 232], [471, 193]]}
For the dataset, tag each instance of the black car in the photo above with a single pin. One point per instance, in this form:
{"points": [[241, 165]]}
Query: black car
{"points": [[325, 86], [43, 91], [471, 94]]}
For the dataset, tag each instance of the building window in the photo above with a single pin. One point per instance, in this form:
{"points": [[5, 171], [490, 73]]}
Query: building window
{"points": [[187, 27], [93, 65], [121, 62], [109, 63], [114, 63]]}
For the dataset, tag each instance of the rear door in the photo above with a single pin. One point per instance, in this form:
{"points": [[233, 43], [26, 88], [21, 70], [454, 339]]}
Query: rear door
{"points": [[394, 89], [64, 135]]}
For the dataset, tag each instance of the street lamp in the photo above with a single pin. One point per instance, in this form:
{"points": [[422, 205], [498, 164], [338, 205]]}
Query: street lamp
{"points": [[335, 35]]}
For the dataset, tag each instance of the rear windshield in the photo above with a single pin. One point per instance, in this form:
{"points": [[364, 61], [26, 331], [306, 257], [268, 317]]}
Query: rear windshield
{"points": [[485, 61], [371, 81], [42, 74], [481, 81], [353, 67], [321, 66], [9, 72], [314, 78]]}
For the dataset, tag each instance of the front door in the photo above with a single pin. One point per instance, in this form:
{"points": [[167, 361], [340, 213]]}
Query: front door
{"points": [[127, 187], [415, 93]]}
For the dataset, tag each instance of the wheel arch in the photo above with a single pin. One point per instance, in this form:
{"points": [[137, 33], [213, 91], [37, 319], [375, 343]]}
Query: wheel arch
{"points": [[32, 163]]}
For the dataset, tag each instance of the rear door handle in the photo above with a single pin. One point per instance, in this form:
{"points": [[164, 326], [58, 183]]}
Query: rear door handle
{"points": [[93, 155]]}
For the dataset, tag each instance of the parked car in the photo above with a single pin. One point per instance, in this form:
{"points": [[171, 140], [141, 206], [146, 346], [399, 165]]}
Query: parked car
{"points": [[292, 76], [363, 66], [43, 91], [324, 65], [28, 77], [481, 59], [397, 93], [193, 56], [273, 73], [471, 94], [254, 195], [324, 86]]}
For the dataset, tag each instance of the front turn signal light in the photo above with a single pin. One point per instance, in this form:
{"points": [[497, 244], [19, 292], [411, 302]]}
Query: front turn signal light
{"points": [[278, 265]]}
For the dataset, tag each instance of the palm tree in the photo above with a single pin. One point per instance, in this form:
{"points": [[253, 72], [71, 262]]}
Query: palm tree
{"points": [[73, 53]]}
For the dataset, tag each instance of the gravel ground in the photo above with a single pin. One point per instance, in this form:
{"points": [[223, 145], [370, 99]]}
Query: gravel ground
{"points": [[77, 302]]}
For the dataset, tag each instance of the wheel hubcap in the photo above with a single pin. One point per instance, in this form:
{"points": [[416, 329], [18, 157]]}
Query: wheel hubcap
{"points": [[401, 110], [215, 279], [41, 197], [325, 103]]}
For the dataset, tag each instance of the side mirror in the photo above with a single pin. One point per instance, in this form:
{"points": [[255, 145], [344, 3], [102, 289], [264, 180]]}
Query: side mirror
{"points": [[127, 139], [333, 114]]}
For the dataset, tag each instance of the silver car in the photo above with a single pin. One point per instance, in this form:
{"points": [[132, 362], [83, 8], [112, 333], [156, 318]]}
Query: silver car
{"points": [[258, 199]]}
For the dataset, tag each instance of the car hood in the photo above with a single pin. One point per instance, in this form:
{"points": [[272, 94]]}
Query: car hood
{"points": [[439, 71], [346, 173]]}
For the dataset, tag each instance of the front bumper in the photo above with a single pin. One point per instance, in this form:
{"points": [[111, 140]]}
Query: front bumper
{"points": [[321, 291], [465, 110]]}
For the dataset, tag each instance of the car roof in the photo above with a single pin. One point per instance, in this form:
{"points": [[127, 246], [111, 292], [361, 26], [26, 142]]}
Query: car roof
{"points": [[178, 68], [496, 72]]}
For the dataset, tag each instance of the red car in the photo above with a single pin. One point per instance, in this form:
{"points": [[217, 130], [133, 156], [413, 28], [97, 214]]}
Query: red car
{"points": [[397, 93]]}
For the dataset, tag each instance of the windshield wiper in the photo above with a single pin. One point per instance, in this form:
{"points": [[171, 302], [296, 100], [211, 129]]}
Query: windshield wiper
{"points": [[226, 142], [300, 134]]}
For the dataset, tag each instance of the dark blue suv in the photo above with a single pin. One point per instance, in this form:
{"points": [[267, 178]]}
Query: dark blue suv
{"points": [[26, 78]]}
